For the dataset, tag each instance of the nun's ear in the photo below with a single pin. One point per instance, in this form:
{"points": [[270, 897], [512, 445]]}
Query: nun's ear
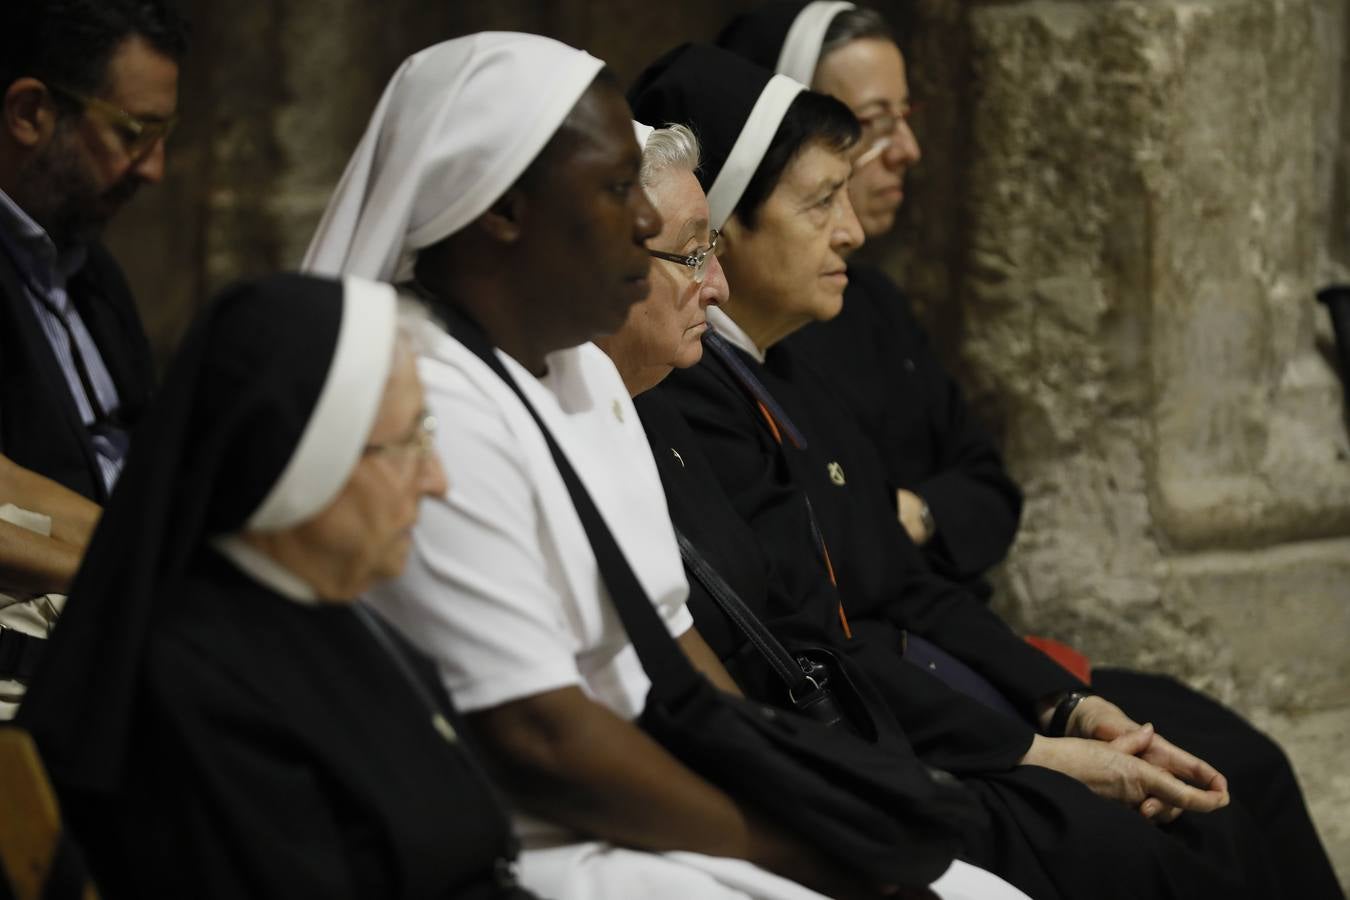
{"points": [[504, 219]]}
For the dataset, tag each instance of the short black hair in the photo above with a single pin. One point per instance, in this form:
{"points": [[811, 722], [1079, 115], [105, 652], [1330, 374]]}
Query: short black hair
{"points": [[812, 118], [68, 43]]}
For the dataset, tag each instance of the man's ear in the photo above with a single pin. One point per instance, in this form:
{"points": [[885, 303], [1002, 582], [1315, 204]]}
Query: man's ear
{"points": [[504, 219], [29, 116]]}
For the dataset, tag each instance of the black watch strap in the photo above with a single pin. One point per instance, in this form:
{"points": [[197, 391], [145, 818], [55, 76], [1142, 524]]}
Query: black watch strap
{"points": [[1059, 722]]}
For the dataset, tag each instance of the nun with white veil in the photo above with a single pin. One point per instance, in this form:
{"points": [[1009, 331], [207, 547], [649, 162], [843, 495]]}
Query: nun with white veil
{"points": [[218, 715], [500, 175]]}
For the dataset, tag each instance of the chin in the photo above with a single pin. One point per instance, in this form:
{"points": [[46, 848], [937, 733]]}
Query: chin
{"points": [[689, 355], [878, 224], [828, 307]]}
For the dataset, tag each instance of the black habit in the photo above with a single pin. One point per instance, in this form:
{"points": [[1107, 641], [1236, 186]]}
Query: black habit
{"points": [[208, 737], [1050, 835], [876, 358], [280, 752]]}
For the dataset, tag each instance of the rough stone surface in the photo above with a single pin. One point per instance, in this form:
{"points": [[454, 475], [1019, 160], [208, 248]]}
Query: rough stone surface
{"points": [[1123, 211], [1148, 219]]}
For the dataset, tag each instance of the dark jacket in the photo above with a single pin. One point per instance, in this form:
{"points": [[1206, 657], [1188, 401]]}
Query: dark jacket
{"points": [[876, 359], [882, 576], [40, 426]]}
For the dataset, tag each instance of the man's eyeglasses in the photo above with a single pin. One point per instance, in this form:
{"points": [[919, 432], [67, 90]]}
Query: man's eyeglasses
{"points": [[419, 442], [139, 136], [698, 260]]}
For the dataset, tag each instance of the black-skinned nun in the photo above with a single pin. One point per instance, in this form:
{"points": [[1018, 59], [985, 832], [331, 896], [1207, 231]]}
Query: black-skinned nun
{"points": [[812, 489], [219, 716], [499, 175], [955, 498]]}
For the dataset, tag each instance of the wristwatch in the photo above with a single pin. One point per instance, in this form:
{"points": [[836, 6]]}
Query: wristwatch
{"points": [[1059, 722]]}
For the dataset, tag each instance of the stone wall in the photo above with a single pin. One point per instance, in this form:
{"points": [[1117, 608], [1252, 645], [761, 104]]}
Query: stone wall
{"points": [[1123, 212], [1149, 194]]}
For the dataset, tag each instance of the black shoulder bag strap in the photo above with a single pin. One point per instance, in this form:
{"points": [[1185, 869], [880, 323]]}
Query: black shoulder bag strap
{"points": [[670, 672], [807, 680]]}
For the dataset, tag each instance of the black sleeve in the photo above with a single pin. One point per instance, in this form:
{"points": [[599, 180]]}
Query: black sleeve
{"points": [[975, 504]]}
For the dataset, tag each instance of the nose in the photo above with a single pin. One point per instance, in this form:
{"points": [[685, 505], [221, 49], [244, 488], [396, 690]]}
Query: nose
{"points": [[904, 147], [714, 291], [150, 167], [431, 480], [847, 235], [647, 221]]}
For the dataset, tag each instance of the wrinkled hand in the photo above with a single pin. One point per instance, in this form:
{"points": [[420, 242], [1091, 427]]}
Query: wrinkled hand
{"points": [[1099, 719], [1118, 770]]}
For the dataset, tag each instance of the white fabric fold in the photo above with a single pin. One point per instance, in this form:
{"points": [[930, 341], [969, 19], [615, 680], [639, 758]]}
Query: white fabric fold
{"points": [[457, 125], [342, 418], [751, 145]]}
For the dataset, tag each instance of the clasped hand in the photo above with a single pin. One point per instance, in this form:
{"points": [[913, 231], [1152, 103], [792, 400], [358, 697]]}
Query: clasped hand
{"points": [[1119, 759]]}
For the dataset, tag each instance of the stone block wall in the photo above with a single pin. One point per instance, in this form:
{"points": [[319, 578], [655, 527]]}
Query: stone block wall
{"points": [[1148, 194], [1124, 209]]}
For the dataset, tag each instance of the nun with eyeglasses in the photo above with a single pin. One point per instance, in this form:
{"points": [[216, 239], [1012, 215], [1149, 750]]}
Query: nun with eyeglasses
{"points": [[218, 714], [973, 697]]}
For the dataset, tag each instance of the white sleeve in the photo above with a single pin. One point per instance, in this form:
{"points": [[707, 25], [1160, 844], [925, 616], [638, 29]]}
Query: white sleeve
{"points": [[479, 594]]}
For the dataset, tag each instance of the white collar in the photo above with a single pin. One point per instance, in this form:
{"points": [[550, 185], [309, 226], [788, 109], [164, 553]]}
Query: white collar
{"points": [[265, 570], [735, 334]]}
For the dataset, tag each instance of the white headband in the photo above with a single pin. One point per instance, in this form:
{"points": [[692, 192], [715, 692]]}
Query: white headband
{"points": [[751, 145], [801, 47], [348, 403]]}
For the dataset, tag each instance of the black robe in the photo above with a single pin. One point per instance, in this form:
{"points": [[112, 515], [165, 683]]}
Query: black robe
{"points": [[1049, 836], [876, 358], [279, 752]]}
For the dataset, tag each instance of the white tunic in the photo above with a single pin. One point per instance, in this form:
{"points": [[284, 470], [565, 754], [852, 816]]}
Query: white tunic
{"points": [[502, 588]]}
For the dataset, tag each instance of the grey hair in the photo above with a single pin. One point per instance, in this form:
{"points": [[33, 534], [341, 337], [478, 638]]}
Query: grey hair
{"points": [[854, 25], [673, 146]]}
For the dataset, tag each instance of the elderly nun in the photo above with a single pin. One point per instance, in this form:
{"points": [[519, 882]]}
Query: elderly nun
{"points": [[663, 333], [499, 175], [951, 491], [219, 717], [953, 494], [968, 691]]}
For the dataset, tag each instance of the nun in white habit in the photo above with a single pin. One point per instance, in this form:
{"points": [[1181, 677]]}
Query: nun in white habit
{"points": [[500, 174]]}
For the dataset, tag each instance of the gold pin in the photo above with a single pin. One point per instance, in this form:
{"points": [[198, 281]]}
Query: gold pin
{"points": [[836, 473], [618, 410], [678, 457]]}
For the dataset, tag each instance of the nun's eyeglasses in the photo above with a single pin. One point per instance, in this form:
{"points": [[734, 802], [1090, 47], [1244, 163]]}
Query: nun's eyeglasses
{"points": [[419, 442], [139, 136], [878, 133], [698, 260]]}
